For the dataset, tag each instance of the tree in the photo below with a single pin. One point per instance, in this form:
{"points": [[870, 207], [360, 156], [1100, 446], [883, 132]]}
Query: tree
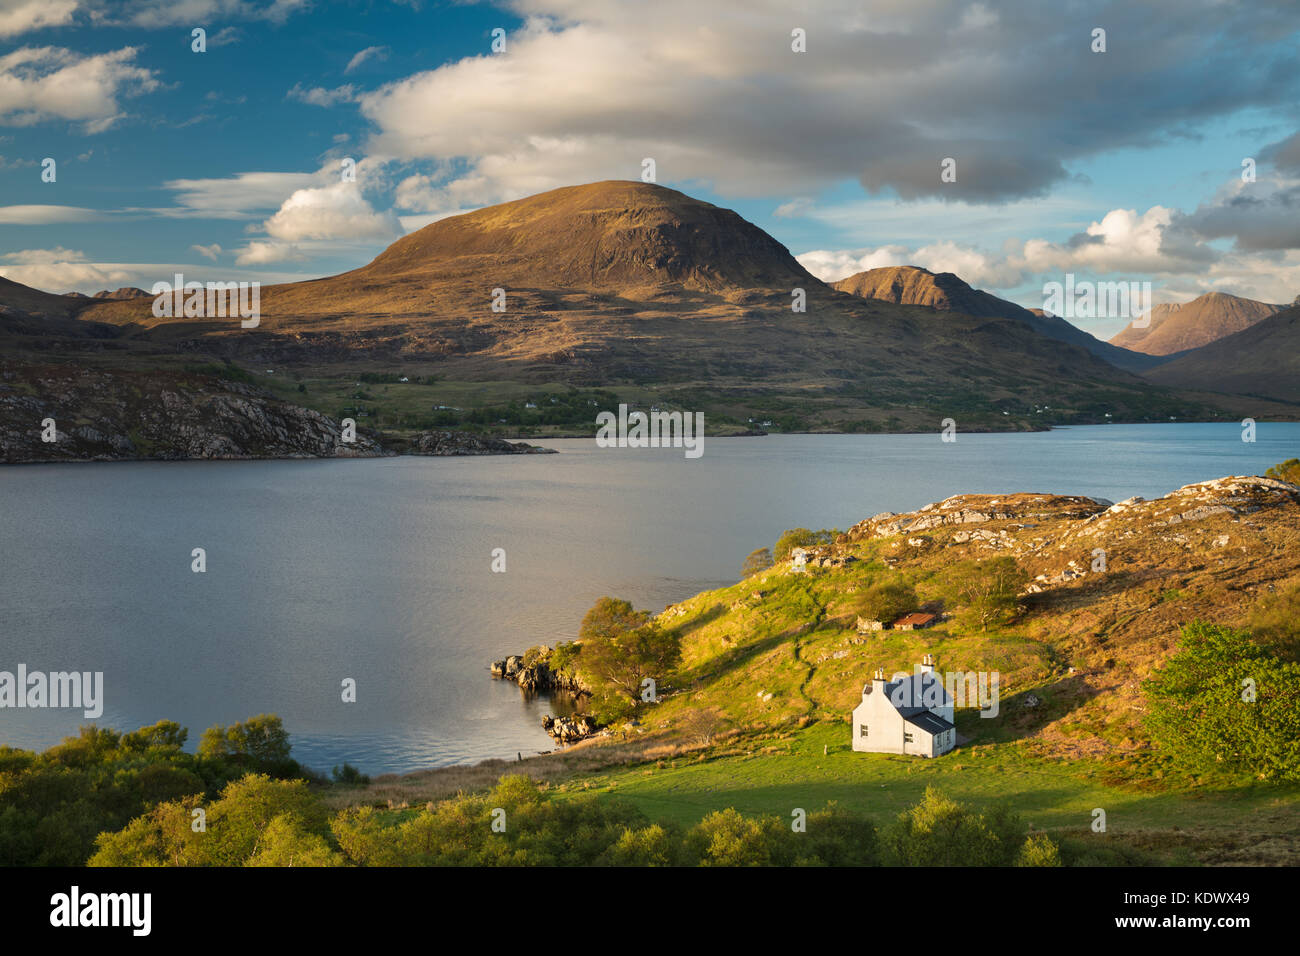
{"points": [[1288, 470], [608, 618], [988, 589], [260, 743], [757, 561], [615, 662]]}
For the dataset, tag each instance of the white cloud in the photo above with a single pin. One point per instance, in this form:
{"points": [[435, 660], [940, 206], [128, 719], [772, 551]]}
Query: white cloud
{"points": [[235, 197], [370, 52], [319, 96], [338, 211], [40, 215], [20, 16], [586, 89], [153, 14], [45, 256], [38, 84], [258, 253], [208, 252]]}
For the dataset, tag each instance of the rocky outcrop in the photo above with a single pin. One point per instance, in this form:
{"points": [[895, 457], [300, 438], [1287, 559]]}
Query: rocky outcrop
{"points": [[462, 443], [975, 509], [532, 671], [569, 730], [100, 415]]}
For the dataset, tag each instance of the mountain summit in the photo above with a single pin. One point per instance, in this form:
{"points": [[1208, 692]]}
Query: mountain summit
{"points": [[946, 292], [611, 236], [1206, 319]]}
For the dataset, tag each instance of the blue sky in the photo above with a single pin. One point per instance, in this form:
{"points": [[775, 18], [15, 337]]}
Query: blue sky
{"points": [[226, 164]]}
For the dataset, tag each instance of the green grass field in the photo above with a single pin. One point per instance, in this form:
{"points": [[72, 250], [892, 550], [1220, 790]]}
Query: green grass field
{"points": [[1255, 824]]}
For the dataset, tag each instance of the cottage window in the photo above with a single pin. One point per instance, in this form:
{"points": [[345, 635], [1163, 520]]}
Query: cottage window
{"points": [[907, 738], [862, 730]]}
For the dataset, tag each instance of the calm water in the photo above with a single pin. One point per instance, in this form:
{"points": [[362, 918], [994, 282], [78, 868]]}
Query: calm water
{"points": [[381, 570]]}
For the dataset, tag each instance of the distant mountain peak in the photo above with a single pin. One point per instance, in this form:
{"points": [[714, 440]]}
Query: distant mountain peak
{"points": [[1178, 327]]}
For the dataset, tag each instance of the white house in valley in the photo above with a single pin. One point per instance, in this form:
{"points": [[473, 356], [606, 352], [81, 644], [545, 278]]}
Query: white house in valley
{"points": [[911, 715]]}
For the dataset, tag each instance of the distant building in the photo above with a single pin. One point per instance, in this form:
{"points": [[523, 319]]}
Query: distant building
{"points": [[866, 625], [914, 621], [913, 715]]}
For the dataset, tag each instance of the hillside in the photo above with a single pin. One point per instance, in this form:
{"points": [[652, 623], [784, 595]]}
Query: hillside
{"points": [[1208, 318], [945, 292], [661, 298], [1262, 360], [758, 715]]}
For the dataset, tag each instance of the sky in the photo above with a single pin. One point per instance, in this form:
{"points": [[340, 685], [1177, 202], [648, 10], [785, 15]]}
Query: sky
{"points": [[304, 137]]}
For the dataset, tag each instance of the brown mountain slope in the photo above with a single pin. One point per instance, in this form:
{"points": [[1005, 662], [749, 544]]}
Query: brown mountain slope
{"points": [[1206, 319], [629, 284], [912, 285], [1263, 359]]}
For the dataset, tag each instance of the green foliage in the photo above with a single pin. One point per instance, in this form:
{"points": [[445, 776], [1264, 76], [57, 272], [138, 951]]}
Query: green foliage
{"points": [[621, 647], [564, 659], [256, 821], [1275, 621], [1227, 705], [987, 590], [799, 538], [885, 599], [349, 775], [1288, 470], [53, 804], [1039, 850], [259, 744], [758, 560], [941, 832]]}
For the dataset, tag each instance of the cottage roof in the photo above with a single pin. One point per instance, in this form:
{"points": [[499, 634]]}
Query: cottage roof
{"points": [[916, 619], [929, 721]]}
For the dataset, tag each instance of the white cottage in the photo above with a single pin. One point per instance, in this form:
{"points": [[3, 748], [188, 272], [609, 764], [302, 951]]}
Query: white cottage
{"points": [[912, 715]]}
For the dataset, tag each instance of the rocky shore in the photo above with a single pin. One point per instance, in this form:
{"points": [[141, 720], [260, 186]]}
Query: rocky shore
{"points": [[59, 413], [533, 672]]}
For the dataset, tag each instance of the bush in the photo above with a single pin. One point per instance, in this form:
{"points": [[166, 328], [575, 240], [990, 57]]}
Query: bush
{"points": [[1288, 470], [1226, 705], [799, 538]]}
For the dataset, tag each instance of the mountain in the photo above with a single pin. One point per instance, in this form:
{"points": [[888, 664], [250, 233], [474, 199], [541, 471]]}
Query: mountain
{"points": [[1208, 318], [912, 285], [1263, 360], [643, 292]]}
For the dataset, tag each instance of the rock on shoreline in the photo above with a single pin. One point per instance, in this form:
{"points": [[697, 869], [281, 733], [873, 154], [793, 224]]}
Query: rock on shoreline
{"points": [[532, 671]]}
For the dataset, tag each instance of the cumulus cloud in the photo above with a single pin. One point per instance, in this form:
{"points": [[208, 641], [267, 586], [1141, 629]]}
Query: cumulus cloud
{"points": [[21, 16], [338, 211], [47, 83], [258, 253], [586, 89]]}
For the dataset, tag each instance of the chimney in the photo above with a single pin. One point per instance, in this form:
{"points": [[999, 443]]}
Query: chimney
{"points": [[927, 664], [879, 676]]}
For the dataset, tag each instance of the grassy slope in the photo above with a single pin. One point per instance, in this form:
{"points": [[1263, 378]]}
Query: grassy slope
{"points": [[773, 666]]}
